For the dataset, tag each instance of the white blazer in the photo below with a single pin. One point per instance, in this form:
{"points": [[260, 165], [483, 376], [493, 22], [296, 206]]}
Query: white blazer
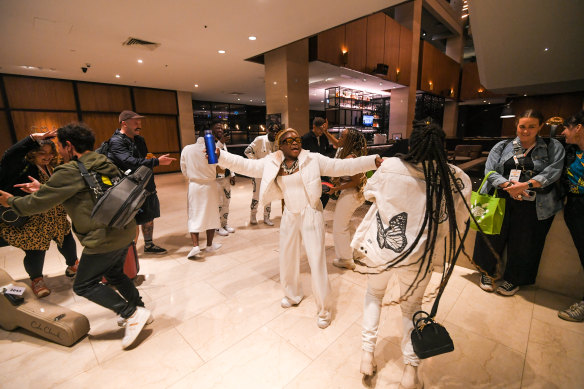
{"points": [[311, 167]]}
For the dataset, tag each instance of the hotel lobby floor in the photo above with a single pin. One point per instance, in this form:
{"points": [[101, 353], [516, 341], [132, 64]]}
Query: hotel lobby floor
{"points": [[219, 324]]}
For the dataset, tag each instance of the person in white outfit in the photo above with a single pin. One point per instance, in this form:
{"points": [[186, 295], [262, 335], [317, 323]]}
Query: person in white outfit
{"points": [[258, 149], [294, 175], [349, 190], [202, 199], [402, 228], [225, 179]]}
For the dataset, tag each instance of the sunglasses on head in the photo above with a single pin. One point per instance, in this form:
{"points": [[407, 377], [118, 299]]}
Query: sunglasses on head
{"points": [[290, 141]]}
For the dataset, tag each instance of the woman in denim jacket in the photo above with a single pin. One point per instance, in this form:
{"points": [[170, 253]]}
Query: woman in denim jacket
{"points": [[526, 169]]}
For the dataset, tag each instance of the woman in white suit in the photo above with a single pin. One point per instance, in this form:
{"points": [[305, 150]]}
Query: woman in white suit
{"points": [[302, 219]]}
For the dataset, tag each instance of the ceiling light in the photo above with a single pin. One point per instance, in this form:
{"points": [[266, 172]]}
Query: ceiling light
{"points": [[546, 49], [275, 82], [381, 83], [322, 101], [364, 79], [196, 85], [140, 61], [252, 38], [238, 99], [250, 100], [525, 95], [221, 51], [263, 101], [117, 76]]}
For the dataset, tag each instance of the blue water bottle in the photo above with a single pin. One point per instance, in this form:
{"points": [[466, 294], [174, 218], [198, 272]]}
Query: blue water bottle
{"points": [[210, 145]]}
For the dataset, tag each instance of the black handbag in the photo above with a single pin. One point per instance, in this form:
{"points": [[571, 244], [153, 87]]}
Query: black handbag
{"points": [[429, 338], [8, 216]]}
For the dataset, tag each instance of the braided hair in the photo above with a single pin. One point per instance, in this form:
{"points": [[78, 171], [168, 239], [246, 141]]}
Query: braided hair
{"points": [[427, 148]]}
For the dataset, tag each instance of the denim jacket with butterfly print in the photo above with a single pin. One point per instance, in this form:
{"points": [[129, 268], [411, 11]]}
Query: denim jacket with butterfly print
{"points": [[548, 161], [398, 193]]}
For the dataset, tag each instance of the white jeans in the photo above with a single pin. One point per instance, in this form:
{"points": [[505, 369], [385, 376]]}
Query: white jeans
{"points": [[376, 286], [347, 204], [255, 199], [305, 227], [224, 196]]}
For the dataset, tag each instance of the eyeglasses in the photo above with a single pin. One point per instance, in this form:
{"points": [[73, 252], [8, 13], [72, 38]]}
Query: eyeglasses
{"points": [[290, 141]]}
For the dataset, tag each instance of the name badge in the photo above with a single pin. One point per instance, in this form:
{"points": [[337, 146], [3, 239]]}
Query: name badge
{"points": [[514, 175]]}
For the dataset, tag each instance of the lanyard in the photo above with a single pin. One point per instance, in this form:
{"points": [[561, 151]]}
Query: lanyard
{"points": [[519, 154]]}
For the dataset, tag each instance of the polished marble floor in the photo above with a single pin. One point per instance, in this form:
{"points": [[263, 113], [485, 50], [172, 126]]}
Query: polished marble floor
{"points": [[219, 323]]}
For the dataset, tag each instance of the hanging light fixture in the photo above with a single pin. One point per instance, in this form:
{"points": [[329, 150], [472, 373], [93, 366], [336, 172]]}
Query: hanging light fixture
{"points": [[507, 112]]}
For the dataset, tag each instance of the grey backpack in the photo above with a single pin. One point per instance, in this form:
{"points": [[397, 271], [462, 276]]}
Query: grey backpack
{"points": [[118, 204]]}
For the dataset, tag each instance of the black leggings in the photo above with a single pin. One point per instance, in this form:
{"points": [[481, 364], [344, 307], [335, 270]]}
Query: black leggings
{"points": [[34, 260], [574, 217]]}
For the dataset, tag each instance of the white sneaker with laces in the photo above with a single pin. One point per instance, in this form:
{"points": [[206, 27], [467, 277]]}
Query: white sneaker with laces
{"points": [[574, 313], [268, 222], [134, 325], [222, 231], [122, 321], [194, 252], [214, 247], [231, 230]]}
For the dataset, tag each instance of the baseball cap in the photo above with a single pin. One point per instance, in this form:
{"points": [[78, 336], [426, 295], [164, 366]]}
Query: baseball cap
{"points": [[125, 115]]}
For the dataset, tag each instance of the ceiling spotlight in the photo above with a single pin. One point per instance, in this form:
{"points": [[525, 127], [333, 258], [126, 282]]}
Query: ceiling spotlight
{"points": [[238, 99], [263, 101], [196, 85], [117, 76], [322, 101], [252, 38], [381, 83], [250, 100], [221, 51], [364, 79], [140, 61], [275, 82], [525, 95], [546, 49]]}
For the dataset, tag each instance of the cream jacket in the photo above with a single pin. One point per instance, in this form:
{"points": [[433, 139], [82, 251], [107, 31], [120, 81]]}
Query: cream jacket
{"points": [[398, 193], [311, 165]]}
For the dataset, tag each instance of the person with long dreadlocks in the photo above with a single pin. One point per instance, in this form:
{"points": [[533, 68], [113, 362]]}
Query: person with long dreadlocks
{"points": [[293, 174], [352, 144], [418, 203]]}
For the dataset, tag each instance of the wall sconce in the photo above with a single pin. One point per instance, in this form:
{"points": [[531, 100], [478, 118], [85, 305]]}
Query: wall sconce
{"points": [[451, 92], [507, 112], [480, 90], [431, 85], [344, 56]]}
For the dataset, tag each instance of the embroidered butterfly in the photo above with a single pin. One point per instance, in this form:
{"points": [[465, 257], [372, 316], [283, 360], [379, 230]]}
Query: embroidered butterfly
{"points": [[394, 236]]}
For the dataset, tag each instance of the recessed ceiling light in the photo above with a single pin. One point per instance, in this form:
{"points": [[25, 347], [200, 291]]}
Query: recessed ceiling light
{"points": [[263, 101], [250, 100], [322, 101], [546, 49], [221, 51], [196, 85], [381, 83], [364, 79], [238, 99], [525, 95], [140, 61], [275, 82], [484, 101], [252, 38], [117, 76]]}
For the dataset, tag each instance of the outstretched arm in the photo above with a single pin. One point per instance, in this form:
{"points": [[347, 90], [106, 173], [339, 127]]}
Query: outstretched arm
{"points": [[347, 167], [240, 165]]}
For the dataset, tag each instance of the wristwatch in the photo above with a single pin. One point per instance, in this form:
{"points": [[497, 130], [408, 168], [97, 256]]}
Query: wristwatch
{"points": [[529, 184]]}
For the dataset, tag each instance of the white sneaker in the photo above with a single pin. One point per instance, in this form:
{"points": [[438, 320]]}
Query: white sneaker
{"points": [[194, 252], [214, 247], [268, 222], [287, 303], [323, 322], [134, 325], [253, 219], [122, 321], [344, 263], [222, 231], [231, 230]]}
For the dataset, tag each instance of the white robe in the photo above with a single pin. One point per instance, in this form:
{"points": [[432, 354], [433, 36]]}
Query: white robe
{"points": [[202, 201]]}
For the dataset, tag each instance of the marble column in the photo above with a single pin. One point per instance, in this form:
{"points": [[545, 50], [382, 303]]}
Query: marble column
{"points": [[286, 78]]}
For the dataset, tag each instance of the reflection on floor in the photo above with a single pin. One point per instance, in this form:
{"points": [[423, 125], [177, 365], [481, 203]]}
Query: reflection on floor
{"points": [[219, 323]]}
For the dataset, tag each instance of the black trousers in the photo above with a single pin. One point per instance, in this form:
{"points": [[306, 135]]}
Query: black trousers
{"points": [[92, 267], [523, 235], [34, 260], [574, 217]]}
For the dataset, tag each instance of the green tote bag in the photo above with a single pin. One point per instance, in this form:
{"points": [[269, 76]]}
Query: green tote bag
{"points": [[487, 211]]}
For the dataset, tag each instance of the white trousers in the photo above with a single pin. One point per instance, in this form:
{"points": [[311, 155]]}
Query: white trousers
{"points": [[255, 199], [305, 227], [224, 196], [376, 286], [347, 204]]}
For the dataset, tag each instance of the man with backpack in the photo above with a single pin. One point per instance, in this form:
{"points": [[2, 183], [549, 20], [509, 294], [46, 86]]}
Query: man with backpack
{"points": [[128, 150], [105, 248]]}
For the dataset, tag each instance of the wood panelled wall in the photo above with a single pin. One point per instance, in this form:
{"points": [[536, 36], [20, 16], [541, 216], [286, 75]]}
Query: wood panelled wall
{"points": [[563, 105], [368, 41], [471, 87], [439, 74], [30, 103]]}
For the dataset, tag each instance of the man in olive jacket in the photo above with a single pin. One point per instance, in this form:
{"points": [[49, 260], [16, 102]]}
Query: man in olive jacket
{"points": [[105, 248]]}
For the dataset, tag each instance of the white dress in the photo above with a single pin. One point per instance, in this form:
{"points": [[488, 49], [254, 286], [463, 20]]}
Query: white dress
{"points": [[202, 201]]}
